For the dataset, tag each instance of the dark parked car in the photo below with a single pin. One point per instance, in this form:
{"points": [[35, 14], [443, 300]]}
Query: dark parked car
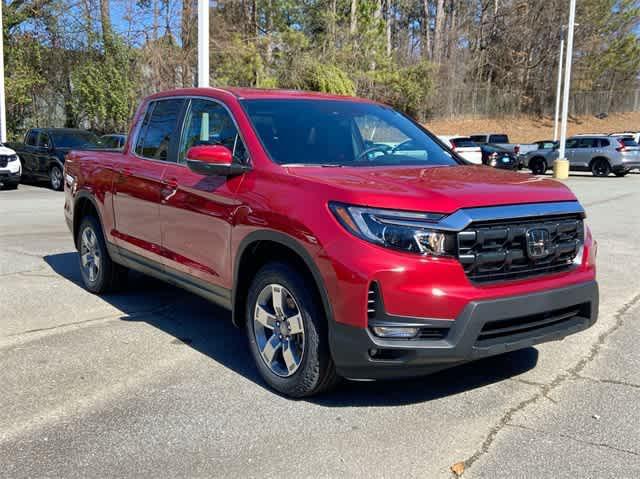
{"points": [[499, 157], [114, 140], [44, 149]]}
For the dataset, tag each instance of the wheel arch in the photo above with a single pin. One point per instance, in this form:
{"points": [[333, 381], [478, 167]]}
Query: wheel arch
{"points": [[84, 204], [597, 158], [263, 246]]}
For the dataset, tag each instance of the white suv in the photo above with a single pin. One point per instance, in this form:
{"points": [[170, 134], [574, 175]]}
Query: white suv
{"points": [[10, 168]]}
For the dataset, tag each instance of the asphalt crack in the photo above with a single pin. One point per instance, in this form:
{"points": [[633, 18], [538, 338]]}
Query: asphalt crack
{"points": [[545, 389], [608, 381], [608, 200], [574, 438]]}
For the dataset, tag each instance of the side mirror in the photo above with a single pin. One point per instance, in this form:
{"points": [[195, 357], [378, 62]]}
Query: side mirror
{"points": [[213, 160]]}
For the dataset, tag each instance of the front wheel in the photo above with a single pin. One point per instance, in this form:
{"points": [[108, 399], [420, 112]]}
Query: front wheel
{"points": [[600, 167], [287, 332], [55, 178]]}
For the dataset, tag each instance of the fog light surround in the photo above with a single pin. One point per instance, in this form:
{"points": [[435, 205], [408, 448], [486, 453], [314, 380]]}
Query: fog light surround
{"points": [[395, 332]]}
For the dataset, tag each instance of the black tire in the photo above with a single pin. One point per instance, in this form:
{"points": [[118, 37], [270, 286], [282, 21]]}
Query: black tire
{"points": [[56, 179], [109, 276], [11, 186], [621, 174], [600, 167], [538, 166], [316, 371]]}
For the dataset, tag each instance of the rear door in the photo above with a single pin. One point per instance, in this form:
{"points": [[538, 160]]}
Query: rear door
{"points": [[138, 187], [197, 211]]}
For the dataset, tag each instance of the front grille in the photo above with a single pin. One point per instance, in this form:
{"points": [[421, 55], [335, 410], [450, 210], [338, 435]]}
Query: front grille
{"points": [[497, 251], [513, 327], [4, 160]]}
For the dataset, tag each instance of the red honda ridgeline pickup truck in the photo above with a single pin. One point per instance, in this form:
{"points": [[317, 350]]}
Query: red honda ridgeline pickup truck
{"points": [[344, 237]]}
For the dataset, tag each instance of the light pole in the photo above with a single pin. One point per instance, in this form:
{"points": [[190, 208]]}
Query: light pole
{"points": [[203, 43], [556, 119], [561, 165], [3, 113]]}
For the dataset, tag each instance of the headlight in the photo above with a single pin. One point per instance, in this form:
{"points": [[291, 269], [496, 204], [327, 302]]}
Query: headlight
{"points": [[401, 230], [13, 158]]}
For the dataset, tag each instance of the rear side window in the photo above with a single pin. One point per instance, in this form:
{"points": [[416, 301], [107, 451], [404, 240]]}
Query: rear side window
{"points": [[498, 139], [478, 138], [32, 138], [159, 129], [587, 143], [463, 143]]}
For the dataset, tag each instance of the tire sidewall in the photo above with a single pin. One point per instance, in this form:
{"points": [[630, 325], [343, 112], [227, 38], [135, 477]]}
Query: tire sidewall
{"points": [[53, 186], [594, 168], [99, 283], [539, 166], [307, 377]]}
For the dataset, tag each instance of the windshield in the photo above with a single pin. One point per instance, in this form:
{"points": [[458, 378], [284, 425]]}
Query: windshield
{"points": [[74, 139], [341, 133]]}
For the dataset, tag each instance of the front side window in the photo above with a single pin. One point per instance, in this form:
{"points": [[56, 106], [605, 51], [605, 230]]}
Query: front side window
{"points": [[43, 140], [32, 138], [209, 123], [158, 129], [342, 133]]}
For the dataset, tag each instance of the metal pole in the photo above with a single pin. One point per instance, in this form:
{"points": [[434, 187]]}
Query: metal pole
{"points": [[558, 93], [3, 113], [561, 168], [203, 43]]}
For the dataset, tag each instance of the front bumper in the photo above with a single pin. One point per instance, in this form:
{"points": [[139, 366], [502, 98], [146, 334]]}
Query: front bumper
{"points": [[484, 328], [9, 178]]}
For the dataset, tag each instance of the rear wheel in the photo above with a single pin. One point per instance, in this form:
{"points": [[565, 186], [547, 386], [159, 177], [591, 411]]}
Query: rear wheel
{"points": [[287, 333], [99, 273], [600, 167], [538, 166], [55, 178]]}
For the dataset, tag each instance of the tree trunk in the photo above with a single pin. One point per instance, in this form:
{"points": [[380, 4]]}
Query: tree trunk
{"points": [[353, 24], [438, 32], [187, 32], [105, 20], [426, 46], [389, 20]]}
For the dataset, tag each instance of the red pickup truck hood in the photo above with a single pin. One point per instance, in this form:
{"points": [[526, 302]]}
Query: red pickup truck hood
{"points": [[436, 189]]}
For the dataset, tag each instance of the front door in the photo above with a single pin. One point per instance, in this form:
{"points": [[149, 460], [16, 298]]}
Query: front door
{"points": [[138, 186], [197, 211]]}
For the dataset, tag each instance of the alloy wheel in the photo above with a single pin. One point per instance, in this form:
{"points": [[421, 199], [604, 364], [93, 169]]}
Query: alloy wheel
{"points": [[279, 330], [90, 254], [56, 178]]}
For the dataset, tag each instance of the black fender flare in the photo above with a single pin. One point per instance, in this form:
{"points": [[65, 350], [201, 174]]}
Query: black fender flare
{"points": [[291, 243], [84, 195]]}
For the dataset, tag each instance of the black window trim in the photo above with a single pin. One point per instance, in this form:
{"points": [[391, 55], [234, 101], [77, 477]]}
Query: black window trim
{"points": [[136, 134], [145, 124]]}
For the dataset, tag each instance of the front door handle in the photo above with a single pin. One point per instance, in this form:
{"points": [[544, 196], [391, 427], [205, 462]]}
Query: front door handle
{"points": [[169, 188]]}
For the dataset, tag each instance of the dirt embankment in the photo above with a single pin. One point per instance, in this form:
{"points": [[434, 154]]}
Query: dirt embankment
{"points": [[526, 130]]}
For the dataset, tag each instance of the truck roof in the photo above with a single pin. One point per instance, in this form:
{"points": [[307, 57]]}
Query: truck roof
{"points": [[257, 93]]}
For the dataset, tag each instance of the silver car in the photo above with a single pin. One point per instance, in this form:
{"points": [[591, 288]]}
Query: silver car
{"points": [[600, 154]]}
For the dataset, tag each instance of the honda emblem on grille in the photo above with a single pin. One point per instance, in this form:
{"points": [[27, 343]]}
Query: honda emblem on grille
{"points": [[539, 243]]}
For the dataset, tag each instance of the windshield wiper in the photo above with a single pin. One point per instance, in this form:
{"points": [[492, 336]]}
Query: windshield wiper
{"points": [[319, 165]]}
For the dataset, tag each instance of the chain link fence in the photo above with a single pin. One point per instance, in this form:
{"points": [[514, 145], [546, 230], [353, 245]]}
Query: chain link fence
{"points": [[493, 103]]}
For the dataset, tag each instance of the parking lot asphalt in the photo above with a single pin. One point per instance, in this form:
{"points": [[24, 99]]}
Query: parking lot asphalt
{"points": [[156, 382]]}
